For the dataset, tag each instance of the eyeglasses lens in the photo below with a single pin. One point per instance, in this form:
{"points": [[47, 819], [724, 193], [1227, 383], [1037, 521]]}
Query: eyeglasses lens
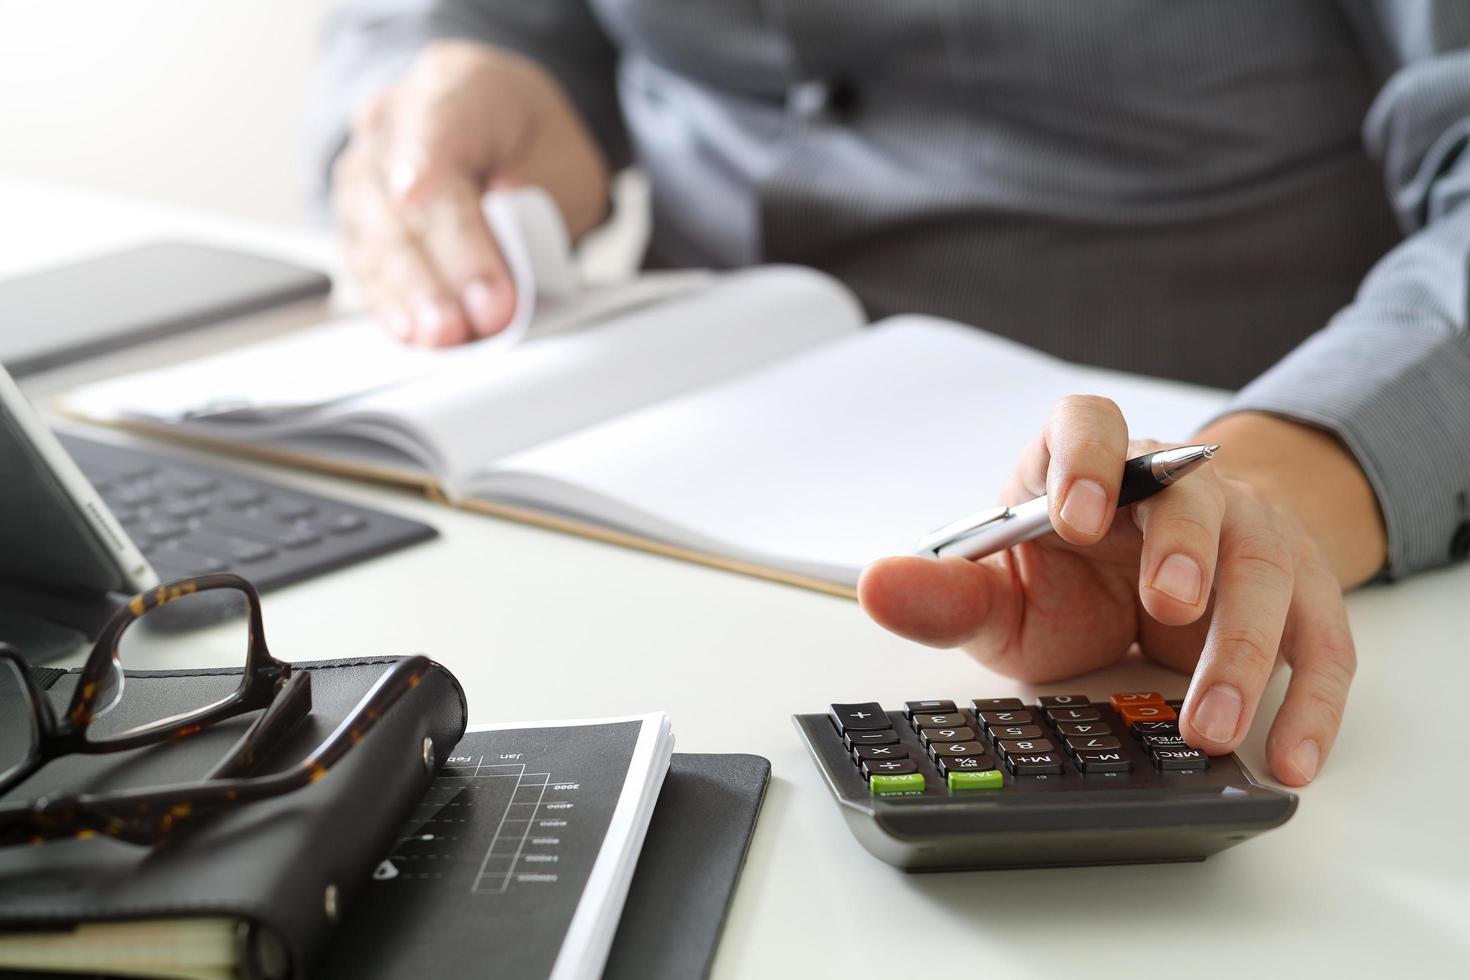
{"points": [[209, 628], [17, 722]]}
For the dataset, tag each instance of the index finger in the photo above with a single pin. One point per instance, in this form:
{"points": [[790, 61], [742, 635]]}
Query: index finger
{"points": [[1086, 442]]}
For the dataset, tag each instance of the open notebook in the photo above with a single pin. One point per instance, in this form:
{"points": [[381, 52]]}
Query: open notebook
{"points": [[751, 420]]}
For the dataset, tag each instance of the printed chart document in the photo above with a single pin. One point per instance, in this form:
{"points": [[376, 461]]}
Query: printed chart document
{"points": [[517, 862]]}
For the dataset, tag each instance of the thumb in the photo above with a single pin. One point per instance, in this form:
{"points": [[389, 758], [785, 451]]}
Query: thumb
{"points": [[946, 602]]}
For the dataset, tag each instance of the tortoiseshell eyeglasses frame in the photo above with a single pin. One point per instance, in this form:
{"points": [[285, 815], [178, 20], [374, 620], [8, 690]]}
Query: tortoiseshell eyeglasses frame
{"points": [[149, 816]]}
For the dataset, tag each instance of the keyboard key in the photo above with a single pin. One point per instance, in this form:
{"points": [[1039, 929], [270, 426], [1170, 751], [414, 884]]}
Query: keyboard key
{"points": [[1103, 762], [1180, 759], [931, 735], [1025, 745], [1008, 717], [299, 537], [1057, 715], [964, 763], [1099, 743], [912, 708], [952, 719], [1135, 697], [889, 767], [854, 739], [951, 749], [1035, 764], [189, 484], [1083, 728], [990, 779], [1147, 712], [997, 704], [1017, 731], [1164, 742], [246, 552], [866, 717], [183, 509], [287, 510], [906, 784], [1141, 728], [346, 523], [238, 498], [864, 752], [1065, 701]]}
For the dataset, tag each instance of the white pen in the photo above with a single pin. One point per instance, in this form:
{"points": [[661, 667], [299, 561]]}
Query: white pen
{"points": [[988, 531]]}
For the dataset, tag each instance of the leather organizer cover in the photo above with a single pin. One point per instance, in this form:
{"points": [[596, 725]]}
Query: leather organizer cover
{"points": [[287, 869]]}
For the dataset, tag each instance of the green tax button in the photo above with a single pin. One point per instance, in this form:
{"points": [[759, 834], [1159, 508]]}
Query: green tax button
{"points": [[991, 779], [909, 782]]}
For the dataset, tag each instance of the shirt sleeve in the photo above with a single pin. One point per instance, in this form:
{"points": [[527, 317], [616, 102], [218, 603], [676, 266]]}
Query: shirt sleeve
{"points": [[369, 43], [1390, 374]]}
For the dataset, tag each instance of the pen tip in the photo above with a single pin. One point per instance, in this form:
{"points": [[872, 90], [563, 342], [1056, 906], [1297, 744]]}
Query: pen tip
{"points": [[1210, 451]]}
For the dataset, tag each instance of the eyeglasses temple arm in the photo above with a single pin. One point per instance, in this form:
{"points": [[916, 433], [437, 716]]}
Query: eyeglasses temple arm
{"points": [[290, 708]]}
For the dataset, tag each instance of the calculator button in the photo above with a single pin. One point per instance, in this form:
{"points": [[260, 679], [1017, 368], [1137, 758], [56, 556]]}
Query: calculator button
{"points": [[1180, 759], [1026, 745], [1016, 731], [1068, 728], [1065, 701], [854, 739], [1142, 728], [1103, 762], [931, 735], [1098, 743], [988, 718], [949, 749], [997, 704], [1164, 742], [908, 783], [1035, 764], [865, 752], [964, 763], [1147, 712], [1121, 701], [1057, 715], [990, 779], [889, 767], [867, 717], [952, 719], [912, 708]]}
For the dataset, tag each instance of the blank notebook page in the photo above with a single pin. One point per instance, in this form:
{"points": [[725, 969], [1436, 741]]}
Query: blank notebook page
{"points": [[843, 454]]}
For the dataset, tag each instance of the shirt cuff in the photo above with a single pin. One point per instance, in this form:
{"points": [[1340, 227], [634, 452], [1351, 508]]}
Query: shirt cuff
{"points": [[1396, 391]]}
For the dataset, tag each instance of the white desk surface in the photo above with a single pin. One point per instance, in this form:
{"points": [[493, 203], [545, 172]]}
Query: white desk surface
{"points": [[1371, 875]]}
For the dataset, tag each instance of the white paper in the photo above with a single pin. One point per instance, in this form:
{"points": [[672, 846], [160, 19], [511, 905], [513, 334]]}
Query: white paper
{"points": [[838, 456]]}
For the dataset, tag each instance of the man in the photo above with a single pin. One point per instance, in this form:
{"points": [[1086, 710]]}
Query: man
{"points": [[1179, 188]]}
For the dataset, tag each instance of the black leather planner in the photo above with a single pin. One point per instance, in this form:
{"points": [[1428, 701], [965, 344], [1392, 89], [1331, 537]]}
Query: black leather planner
{"points": [[287, 869]]}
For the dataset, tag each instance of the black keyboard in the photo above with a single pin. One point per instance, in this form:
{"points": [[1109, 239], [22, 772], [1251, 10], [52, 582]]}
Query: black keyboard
{"points": [[997, 783], [191, 518]]}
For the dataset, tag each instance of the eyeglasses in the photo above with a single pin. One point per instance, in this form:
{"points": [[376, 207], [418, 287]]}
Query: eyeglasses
{"points": [[32, 734]]}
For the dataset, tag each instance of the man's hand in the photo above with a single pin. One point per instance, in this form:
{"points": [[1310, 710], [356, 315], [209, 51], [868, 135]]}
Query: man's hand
{"points": [[1215, 575], [407, 188]]}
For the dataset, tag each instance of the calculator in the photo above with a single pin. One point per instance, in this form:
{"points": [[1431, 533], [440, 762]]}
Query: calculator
{"points": [[1068, 780]]}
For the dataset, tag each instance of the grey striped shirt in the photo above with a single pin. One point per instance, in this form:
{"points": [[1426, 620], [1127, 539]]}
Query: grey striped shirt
{"points": [[1188, 188]]}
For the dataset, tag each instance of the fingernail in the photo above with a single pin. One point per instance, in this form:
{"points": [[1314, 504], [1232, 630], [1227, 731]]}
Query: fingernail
{"points": [[399, 325], [1179, 577], [1086, 506], [1218, 713], [479, 303], [1306, 757], [430, 320], [401, 178]]}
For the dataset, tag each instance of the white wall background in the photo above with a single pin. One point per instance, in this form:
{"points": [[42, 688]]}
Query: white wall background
{"points": [[197, 102]]}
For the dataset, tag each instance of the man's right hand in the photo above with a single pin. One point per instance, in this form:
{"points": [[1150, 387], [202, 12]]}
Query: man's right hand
{"points": [[465, 118]]}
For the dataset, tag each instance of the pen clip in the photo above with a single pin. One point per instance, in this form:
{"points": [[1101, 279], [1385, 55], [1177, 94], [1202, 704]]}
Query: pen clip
{"points": [[965, 526]]}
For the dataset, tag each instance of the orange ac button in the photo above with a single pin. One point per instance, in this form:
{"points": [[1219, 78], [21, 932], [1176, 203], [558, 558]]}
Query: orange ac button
{"points": [[1121, 701], [1147, 712]]}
